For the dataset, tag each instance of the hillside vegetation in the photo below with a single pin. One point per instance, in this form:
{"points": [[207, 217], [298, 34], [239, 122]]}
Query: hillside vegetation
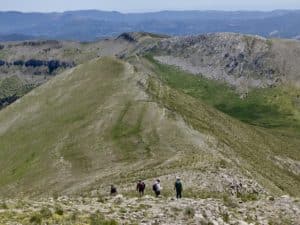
{"points": [[90, 123], [115, 120], [12, 88], [276, 107]]}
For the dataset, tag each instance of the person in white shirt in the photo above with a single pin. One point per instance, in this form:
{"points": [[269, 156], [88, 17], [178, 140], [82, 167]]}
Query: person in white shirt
{"points": [[157, 188]]}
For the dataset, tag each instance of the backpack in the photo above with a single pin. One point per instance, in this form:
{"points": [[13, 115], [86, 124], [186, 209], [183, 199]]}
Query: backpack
{"points": [[154, 187], [178, 186]]}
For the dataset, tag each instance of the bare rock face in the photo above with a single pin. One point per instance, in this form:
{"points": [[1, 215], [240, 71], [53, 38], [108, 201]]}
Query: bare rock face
{"points": [[239, 60]]}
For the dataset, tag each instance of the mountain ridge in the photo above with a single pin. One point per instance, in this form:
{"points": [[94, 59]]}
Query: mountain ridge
{"points": [[100, 24], [128, 131], [121, 114]]}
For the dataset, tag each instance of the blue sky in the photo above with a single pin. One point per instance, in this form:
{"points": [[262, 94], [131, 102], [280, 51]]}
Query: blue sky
{"points": [[146, 5]]}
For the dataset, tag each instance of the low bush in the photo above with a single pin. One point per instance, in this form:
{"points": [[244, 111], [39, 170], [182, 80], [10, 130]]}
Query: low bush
{"points": [[189, 212], [46, 213], [59, 210], [99, 219], [35, 219]]}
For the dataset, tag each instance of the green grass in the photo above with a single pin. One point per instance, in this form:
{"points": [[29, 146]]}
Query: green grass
{"points": [[123, 129], [57, 121], [245, 197], [3, 54], [99, 219], [80, 124], [13, 86], [189, 212], [253, 144], [270, 108], [35, 219], [94, 122], [126, 132]]}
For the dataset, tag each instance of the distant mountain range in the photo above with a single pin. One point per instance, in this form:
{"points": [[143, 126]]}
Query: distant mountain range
{"points": [[89, 25]]}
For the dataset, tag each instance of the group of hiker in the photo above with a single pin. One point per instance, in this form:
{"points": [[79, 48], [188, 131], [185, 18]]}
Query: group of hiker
{"points": [[156, 187]]}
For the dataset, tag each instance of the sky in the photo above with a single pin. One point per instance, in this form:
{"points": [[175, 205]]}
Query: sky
{"points": [[145, 5]]}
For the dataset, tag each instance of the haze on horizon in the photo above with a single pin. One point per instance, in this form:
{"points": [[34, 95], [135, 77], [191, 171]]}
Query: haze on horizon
{"points": [[146, 6]]}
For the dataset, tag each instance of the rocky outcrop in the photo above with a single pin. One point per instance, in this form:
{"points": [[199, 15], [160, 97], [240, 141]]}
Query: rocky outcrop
{"points": [[149, 210], [52, 65], [239, 60]]}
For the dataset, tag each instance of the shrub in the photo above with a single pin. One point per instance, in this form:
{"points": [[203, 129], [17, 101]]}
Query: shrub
{"points": [[225, 217], [2, 63], [189, 212], [18, 63], [223, 163], [3, 205], [35, 219], [55, 195], [228, 201], [59, 210], [73, 217], [35, 63], [53, 65], [100, 199], [246, 197], [45, 213], [98, 219]]}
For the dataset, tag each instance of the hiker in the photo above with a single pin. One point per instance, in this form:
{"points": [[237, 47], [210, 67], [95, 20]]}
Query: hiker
{"points": [[178, 187], [113, 190], [157, 188], [140, 187], [236, 188]]}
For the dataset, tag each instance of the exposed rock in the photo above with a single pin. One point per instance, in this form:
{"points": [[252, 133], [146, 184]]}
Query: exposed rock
{"points": [[239, 60], [147, 210]]}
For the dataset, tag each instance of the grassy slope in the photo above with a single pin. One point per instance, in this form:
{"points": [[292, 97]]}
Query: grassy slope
{"points": [[96, 125], [275, 107], [92, 124], [253, 144], [31, 138], [15, 87]]}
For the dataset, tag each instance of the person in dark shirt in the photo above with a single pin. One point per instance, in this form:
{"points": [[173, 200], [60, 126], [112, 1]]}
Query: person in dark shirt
{"points": [[178, 188], [140, 187], [113, 190]]}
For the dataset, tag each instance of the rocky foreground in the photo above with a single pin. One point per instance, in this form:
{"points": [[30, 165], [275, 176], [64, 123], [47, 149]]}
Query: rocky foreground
{"points": [[149, 210]]}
